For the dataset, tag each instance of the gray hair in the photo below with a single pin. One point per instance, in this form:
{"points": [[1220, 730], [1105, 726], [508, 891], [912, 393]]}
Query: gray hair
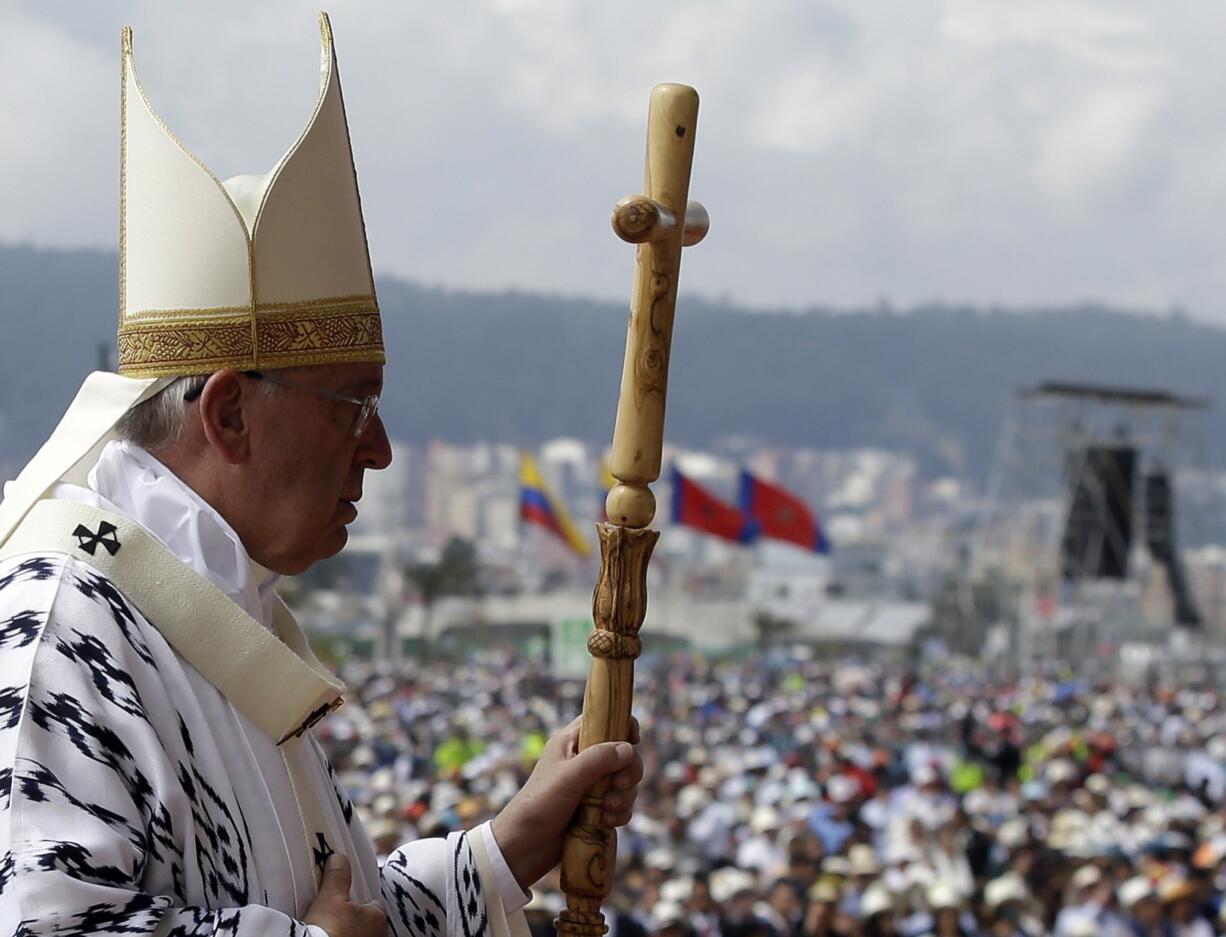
{"points": [[159, 421]]}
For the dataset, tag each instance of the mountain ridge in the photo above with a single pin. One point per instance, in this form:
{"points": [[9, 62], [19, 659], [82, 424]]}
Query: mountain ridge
{"points": [[518, 367]]}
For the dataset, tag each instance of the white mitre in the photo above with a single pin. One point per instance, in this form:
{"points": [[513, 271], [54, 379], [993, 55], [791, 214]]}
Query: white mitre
{"points": [[266, 271], [258, 271]]}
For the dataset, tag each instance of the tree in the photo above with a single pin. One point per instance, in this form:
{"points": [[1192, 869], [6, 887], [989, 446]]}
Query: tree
{"points": [[456, 572], [769, 629]]}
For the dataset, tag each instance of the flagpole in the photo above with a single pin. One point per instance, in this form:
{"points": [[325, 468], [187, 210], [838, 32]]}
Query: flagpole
{"points": [[661, 222]]}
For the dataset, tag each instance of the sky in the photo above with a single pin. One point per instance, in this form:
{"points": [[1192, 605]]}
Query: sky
{"points": [[850, 152]]}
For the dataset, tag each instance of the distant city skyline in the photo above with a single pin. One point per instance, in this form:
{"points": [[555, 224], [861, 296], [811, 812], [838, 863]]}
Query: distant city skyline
{"points": [[472, 490], [959, 150], [899, 539]]}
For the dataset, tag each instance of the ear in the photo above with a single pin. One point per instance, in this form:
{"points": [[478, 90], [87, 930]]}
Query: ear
{"points": [[224, 416]]}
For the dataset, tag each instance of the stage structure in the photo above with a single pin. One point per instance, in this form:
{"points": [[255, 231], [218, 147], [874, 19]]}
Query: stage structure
{"points": [[1082, 525]]}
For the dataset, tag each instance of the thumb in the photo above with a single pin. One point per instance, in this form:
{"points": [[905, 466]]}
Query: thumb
{"points": [[598, 761], [337, 878]]}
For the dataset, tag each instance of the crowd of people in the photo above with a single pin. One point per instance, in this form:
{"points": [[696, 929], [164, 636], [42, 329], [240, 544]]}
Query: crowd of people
{"points": [[798, 798]]}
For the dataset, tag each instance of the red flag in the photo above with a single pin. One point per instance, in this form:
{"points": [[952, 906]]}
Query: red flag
{"points": [[694, 506], [781, 514]]}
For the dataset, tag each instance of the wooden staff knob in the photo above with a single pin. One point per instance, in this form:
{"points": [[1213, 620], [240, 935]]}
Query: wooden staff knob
{"points": [[697, 224], [630, 505], [638, 219]]}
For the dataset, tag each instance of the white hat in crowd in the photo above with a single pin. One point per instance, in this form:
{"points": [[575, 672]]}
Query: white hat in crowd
{"points": [[875, 900], [1086, 876], [942, 894], [1137, 888], [1004, 889], [863, 860], [841, 788]]}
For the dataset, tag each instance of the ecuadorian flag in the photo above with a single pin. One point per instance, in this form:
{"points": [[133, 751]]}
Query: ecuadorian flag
{"points": [[538, 506]]}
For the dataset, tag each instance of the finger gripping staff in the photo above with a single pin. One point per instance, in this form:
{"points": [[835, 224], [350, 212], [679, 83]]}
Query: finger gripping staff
{"points": [[660, 221]]}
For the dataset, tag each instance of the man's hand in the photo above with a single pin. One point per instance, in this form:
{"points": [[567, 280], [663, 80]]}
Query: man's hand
{"points": [[530, 829], [334, 912]]}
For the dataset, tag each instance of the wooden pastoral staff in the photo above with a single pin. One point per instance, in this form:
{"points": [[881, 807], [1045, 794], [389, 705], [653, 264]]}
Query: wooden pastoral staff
{"points": [[661, 222]]}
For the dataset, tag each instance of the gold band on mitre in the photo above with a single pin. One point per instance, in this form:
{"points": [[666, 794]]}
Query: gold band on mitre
{"points": [[201, 341], [255, 272]]}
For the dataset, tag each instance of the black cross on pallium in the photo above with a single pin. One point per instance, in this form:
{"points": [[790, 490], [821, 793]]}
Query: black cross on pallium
{"points": [[322, 851], [88, 541]]}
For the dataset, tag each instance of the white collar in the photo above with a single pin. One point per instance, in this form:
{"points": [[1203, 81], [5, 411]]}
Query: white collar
{"points": [[129, 481]]}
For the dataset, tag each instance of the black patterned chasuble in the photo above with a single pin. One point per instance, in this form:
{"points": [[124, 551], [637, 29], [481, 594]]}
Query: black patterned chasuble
{"points": [[134, 799]]}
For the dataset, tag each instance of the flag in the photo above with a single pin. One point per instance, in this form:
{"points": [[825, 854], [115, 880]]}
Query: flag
{"points": [[538, 506], [694, 506], [781, 515]]}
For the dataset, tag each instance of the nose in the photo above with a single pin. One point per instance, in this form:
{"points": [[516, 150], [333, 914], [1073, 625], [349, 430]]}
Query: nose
{"points": [[374, 449]]}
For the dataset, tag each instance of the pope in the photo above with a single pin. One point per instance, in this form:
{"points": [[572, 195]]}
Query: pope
{"points": [[158, 773]]}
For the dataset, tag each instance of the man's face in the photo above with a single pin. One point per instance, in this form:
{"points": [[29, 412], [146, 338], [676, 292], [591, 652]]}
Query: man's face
{"points": [[306, 467]]}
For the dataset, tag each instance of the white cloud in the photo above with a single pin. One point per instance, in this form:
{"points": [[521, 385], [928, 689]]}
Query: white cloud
{"points": [[971, 149], [1090, 147], [47, 196]]}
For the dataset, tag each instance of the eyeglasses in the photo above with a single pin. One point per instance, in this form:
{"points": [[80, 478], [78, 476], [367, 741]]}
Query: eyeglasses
{"points": [[367, 406]]}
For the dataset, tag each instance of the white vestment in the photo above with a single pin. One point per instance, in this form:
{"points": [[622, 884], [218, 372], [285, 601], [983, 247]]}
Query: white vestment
{"points": [[136, 799]]}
